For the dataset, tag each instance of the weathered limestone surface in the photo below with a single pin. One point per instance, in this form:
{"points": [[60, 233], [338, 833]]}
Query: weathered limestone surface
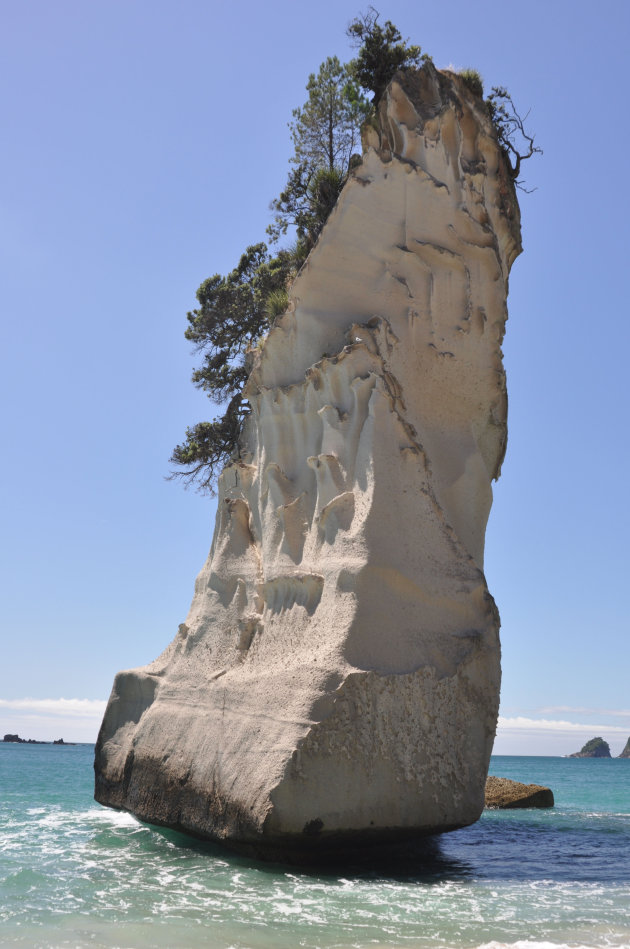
{"points": [[502, 793], [337, 678]]}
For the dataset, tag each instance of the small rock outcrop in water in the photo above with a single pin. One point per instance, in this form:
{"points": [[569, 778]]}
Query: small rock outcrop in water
{"points": [[16, 740], [504, 793], [626, 751], [337, 679], [595, 748]]}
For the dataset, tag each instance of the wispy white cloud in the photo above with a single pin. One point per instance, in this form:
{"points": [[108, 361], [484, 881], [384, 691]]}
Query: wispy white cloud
{"points": [[524, 735], [583, 710], [82, 708], [47, 719], [520, 723]]}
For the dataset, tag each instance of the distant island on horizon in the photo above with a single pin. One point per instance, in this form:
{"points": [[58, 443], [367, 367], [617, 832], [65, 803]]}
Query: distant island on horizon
{"points": [[16, 740], [598, 748]]}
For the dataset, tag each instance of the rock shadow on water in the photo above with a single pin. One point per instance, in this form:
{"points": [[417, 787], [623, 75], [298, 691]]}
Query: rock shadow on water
{"points": [[422, 860], [506, 847]]}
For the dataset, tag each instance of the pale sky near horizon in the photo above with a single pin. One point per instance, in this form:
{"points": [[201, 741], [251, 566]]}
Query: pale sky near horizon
{"points": [[143, 142]]}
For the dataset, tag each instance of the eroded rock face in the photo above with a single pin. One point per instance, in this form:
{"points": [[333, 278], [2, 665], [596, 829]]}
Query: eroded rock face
{"points": [[337, 678]]}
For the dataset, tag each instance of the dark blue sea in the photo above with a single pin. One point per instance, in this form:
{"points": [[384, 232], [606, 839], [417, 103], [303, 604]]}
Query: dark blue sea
{"points": [[74, 874]]}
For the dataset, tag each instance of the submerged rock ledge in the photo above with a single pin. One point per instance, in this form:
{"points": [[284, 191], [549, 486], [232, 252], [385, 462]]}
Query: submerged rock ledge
{"points": [[336, 682], [503, 793]]}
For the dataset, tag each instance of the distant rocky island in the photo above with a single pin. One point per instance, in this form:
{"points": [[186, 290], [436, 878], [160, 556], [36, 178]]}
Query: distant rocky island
{"points": [[595, 748], [16, 740], [626, 751]]}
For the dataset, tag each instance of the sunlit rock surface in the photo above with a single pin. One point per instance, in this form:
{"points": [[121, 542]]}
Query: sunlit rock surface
{"points": [[336, 681]]}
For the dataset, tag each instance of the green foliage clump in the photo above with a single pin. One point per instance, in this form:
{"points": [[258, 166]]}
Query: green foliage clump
{"points": [[306, 202], [276, 304], [382, 52], [233, 313], [473, 80], [207, 448]]}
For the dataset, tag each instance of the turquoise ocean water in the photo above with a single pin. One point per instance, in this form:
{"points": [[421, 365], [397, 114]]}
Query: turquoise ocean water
{"points": [[74, 874]]}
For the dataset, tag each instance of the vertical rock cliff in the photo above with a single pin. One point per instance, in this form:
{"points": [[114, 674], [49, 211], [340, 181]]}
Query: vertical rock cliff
{"points": [[337, 678]]}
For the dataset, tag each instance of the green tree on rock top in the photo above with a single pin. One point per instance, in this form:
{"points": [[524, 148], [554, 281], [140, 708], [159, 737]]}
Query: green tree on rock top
{"points": [[236, 310], [381, 52]]}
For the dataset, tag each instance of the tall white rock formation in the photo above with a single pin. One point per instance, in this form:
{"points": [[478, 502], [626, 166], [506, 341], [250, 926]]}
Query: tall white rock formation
{"points": [[337, 679]]}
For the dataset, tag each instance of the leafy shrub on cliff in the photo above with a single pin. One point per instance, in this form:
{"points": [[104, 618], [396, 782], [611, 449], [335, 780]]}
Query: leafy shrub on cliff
{"points": [[233, 313], [381, 52], [473, 80], [306, 202]]}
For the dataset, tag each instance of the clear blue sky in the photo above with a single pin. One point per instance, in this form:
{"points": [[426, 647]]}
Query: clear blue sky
{"points": [[143, 142]]}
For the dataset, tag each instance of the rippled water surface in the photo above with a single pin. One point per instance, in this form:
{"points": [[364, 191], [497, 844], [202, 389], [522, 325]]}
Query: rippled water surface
{"points": [[74, 874]]}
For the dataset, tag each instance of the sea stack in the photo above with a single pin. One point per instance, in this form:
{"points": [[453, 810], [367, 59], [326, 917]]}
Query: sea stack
{"points": [[336, 682], [626, 751], [595, 748]]}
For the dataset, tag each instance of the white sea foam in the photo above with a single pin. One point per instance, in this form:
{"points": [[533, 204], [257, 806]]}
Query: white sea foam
{"points": [[85, 875], [525, 944], [106, 815]]}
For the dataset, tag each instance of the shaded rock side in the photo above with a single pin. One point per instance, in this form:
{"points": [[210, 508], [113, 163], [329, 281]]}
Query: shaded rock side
{"points": [[337, 677], [503, 793], [626, 751], [595, 748]]}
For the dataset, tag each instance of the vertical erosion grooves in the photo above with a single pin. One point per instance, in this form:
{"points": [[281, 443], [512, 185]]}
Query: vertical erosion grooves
{"points": [[337, 676]]}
